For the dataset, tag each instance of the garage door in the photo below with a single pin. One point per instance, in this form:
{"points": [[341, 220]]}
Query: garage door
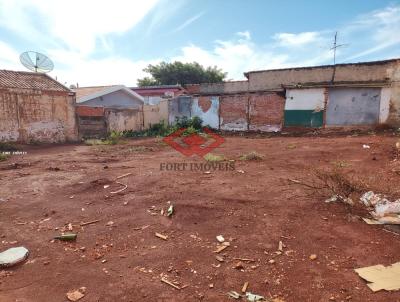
{"points": [[353, 106]]}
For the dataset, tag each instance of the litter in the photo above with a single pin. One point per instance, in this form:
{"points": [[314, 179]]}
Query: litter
{"points": [[245, 286], [220, 238], [313, 257], [120, 190], [77, 294], [366, 147], [234, 295], [381, 277], [171, 284], [170, 210], [164, 237], [280, 246], [385, 211], [13, 256], [90, 222], [222, 247], [253, 297], [67, 237], [124, 175]]}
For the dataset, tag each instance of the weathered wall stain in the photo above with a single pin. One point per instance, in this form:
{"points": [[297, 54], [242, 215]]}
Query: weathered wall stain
{"points": [[207, 108], [234, 112], [37, 116], [266, 112]]}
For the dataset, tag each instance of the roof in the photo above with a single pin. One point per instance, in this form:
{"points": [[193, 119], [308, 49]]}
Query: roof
{"points": [[30, 80], [325, 66], [158, 87], [156, 90], [84, 94]]}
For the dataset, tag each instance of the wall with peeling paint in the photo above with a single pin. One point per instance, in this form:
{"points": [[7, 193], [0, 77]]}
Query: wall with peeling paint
{"points": [[207, 108], [123, 119], [266, 112], [179, 107], [154, 114], [37, 116], [234, 112]]}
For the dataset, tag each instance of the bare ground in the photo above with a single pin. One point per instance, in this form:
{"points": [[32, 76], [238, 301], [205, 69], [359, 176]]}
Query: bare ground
{"points": [[50, 187]]}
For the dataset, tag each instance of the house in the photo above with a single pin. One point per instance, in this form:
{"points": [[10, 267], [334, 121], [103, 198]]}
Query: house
{"points": [[35, 108], [341, 95], [103, 109], [115, 96], [154, 94]]}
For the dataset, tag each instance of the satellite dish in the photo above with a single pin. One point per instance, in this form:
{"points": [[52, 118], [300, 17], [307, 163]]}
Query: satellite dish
{"points": [[36, 61]]}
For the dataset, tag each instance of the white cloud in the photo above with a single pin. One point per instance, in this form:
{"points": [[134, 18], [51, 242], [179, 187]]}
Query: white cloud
{"points": [[379, 28], [73, 24], [8, 57], [234, 56], [188, 22], [290, 39]]}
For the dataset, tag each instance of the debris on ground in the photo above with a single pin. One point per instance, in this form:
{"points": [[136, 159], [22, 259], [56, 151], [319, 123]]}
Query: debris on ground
{"points": [[171, 284], [75, 295], [13, 256], [90, 222], [381, 277], [170, 210], [124, 175], [366, 146], [337, 197], [253, 297], [313, 257], [67, 237], [234, 295], [120, 190], [164, 237], [245, 286], [384, 211], [220, 248], [220, 238]]}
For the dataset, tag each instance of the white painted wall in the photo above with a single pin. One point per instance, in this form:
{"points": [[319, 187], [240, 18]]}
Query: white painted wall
{"points": [[305, 99], [210, 117]]}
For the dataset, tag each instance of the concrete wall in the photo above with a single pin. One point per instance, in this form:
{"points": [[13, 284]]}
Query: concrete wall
{"points": [[207, 108], [353, 106], [123, 119], [154, 114], [37, 116], [179, 107], [117, 99], [304, 107], [274, 79]]}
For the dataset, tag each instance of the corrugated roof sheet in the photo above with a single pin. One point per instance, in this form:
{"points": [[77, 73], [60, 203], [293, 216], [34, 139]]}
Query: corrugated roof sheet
{"points": [[29, 80], [85, 91]]}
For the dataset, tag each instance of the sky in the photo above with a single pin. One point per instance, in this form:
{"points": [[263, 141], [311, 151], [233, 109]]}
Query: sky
{"points": [[102, 42]]}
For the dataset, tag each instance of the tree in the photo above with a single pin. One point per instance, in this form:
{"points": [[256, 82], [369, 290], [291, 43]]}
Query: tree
{"points": [[181, 73]]}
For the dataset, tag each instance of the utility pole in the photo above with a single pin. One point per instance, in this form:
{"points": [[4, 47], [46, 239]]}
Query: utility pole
{"points": [[334, 47]]}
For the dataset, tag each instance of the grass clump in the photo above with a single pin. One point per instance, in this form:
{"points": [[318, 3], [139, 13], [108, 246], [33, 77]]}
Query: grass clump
{"points": [[213, 157], [3, 157], [252, 156]]}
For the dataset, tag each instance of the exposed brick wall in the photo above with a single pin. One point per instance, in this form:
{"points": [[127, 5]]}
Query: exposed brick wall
{"points": [[233, 112], [266, 111], [89, 111]]}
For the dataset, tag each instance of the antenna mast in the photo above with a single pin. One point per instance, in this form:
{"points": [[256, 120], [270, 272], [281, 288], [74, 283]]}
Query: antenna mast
{"points": [[334, 47]]}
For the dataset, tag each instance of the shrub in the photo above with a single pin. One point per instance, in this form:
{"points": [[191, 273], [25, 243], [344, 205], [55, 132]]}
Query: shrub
{"points": [[251, 156], [213, 157]]}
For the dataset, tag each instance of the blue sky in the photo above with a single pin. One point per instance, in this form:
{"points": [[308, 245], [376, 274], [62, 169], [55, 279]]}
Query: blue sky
{"points": [[110, 42]]}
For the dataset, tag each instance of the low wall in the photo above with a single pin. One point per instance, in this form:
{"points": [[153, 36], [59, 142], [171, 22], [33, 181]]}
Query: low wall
{"points": [[30, 116], [153, 114]]}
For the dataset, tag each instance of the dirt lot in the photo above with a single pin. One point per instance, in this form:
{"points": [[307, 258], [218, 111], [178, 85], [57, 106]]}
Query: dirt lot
{"points": [[49, 188]]}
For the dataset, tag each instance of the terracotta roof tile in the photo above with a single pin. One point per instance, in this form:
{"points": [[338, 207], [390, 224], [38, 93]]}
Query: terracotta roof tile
{"points": [[29, 80]]}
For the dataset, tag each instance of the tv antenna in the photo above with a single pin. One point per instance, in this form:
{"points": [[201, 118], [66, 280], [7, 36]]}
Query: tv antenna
{"points": [[336, 46], [36, 61]]}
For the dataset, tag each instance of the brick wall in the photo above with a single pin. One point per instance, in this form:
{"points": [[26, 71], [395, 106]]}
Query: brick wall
{"points": [[266, 112]]}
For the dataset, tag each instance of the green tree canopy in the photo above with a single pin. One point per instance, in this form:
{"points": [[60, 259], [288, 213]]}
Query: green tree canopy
{"points": [[181, 73]]}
